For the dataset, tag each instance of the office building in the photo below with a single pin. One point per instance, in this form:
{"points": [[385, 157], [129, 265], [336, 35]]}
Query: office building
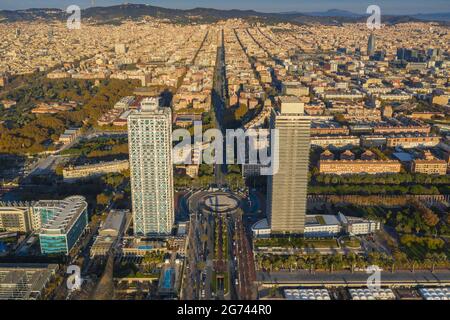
{"points": [[150, 145], [358, 226], [62, 222], [371, 45], [325, 226], [287, 188]]}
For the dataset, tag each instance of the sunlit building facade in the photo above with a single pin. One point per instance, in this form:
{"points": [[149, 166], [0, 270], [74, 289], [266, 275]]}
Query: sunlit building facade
{"points": [[150, 145]]}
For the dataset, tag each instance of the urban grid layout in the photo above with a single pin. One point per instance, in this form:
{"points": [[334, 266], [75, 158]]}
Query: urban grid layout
{"points": [[122, 176]]}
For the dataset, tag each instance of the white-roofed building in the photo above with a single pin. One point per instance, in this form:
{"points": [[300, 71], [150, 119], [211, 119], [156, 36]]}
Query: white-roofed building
{"points": [[306, 294]]}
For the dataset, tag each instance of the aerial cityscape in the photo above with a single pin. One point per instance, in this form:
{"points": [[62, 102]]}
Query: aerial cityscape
{"points": [[151, 153]]}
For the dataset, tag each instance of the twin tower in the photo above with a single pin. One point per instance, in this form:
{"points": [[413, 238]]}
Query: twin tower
{"points": [[151, 168]]}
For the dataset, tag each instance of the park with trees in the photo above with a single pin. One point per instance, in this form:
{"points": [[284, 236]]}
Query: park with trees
{"points": [[23, 132]]}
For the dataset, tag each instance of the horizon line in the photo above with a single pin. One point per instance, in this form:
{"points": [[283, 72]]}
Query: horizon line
{"points": [[232, 9]]}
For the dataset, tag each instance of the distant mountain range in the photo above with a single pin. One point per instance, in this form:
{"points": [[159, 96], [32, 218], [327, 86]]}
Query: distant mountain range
{"points": [[132, 11], [444, 16], [332, 13]]}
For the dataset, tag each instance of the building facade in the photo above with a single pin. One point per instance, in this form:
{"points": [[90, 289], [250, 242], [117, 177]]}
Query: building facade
{"points": [[412, 141], [15, 218], [62, 222], [359, 166], [287, 188], [431, 166], [110, 233], [73, 173], [371, 45], [151, 171], [335, 142]]}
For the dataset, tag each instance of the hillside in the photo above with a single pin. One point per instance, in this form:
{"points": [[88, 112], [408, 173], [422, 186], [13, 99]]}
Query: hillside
{"points": [[135, 11]]}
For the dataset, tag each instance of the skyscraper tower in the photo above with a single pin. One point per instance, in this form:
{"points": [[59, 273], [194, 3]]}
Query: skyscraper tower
{"points": [[50, 34], [150, 148], [371, 45], [287, 188]]}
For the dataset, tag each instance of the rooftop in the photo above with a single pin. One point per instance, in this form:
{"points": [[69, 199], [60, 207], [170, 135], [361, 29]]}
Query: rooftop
{"points": [[65, 213]]}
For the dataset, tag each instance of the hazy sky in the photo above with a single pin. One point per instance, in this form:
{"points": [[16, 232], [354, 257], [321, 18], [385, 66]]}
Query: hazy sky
{"points": [[358, 6]]}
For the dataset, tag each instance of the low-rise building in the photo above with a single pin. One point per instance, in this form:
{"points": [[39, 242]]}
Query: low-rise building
{"points": [[428, 164], [295, 89], [408, 141], [320, 128], [137, 247], [400, 125], [25, 281], [347, 155], [372, 294], [124, 103], [8, 103], [15, 217], [69, 135], [73, 173], [317, 226], [109, 232], [370, 141], [359, 166], [335, 142], [307, 294], [53, 108], [358, 226], [442, 293], [325, 226], [327, 155]]}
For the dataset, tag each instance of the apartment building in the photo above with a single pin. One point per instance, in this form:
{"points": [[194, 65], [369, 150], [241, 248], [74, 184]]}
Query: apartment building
{"points": [[359, 166], [412, 141], [73, 173]]}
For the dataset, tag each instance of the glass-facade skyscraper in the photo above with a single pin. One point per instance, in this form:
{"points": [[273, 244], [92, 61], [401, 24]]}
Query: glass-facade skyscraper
{"points": [[371, 45], [150, 149]]}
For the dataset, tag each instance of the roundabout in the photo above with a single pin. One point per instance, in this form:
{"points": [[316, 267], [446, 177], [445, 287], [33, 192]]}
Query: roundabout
{"points": [[220, 203]]}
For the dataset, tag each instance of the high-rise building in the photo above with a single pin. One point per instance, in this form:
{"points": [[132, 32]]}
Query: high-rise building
{"points": [[371, 45], [287, 188], [150, 148]]}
